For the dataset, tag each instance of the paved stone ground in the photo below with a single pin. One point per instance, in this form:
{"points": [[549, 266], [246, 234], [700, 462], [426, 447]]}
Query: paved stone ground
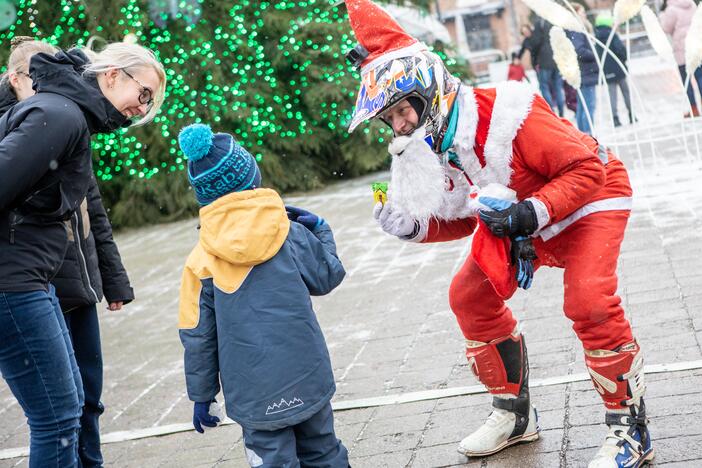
{"points": [[390, 330]]}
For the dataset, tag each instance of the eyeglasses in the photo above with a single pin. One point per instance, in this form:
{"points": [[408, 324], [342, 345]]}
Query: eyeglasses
{"points": [[146, 96]]}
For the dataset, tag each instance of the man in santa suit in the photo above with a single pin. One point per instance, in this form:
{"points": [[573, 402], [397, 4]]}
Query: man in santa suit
{"points": [[536, 192]]}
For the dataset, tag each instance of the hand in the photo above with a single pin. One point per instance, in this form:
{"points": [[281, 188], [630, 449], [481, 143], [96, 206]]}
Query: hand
{"points": [[507, 218], [394, 221], [307, 219], [115, 305], [202, 416], [523, 255]]}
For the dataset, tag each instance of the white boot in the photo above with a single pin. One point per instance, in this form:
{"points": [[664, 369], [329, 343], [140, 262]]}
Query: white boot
{"points": [[497, 433], [628, 443]]}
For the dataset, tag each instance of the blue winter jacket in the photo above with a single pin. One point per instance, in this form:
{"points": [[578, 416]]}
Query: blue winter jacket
{"points": [[589, 72], [246, 317]]}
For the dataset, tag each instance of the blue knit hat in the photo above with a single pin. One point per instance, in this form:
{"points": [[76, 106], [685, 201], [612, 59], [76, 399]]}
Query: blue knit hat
{"points": [[217, 164]]}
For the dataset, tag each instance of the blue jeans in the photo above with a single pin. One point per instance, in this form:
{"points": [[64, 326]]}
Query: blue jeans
{"points": [[84, 327], [698, 76], [37, 362], [311, 444], [551, 86], [589, 93]]}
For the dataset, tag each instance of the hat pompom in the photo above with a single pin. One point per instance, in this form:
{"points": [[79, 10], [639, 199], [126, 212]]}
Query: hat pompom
{"points": [[195, 141]]}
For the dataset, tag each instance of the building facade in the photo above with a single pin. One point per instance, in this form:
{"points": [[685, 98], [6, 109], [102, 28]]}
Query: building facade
{"points": [[488, 31]]}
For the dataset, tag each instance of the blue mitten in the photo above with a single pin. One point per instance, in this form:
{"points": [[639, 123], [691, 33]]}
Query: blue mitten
{"points": [[304, 217], [202, 416]]}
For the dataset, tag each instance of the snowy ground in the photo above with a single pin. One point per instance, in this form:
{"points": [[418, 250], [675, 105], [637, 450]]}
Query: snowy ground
{"points": [[390, 330]]}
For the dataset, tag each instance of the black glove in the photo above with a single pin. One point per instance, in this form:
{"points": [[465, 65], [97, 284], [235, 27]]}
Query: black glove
{"points": [[509, 219], [523, 255]]}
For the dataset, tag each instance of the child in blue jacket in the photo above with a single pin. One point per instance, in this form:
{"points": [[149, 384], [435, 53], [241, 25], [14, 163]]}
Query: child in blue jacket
{"points": [[246, 317]]}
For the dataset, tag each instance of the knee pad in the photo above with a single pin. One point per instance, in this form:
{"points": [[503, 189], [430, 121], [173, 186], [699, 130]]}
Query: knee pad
{"points": [[617, 375], [501, 365]]}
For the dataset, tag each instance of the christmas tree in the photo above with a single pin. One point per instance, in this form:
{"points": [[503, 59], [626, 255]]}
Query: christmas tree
{"points": [[271, 73]]}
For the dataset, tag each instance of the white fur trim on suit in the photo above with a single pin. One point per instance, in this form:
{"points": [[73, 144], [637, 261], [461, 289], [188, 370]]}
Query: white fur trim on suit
{"points": [[542, 216], [464, 140], [512, 106]]}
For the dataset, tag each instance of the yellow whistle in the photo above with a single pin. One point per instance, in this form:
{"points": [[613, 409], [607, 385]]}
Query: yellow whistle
{"points": [[380, 192]]}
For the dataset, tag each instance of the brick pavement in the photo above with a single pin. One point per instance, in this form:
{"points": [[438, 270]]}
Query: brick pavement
{"points": [[390, 330]]}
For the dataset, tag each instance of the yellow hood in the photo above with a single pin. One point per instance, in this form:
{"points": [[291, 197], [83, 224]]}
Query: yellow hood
{"points": [[244, 228]]}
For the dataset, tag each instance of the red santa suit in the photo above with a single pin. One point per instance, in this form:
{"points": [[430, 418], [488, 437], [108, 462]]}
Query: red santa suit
{"points": [[582, 196], [468, 141]]}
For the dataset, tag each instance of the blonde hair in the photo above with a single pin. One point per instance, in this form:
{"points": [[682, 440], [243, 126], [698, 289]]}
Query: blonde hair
{"points": [[22, 48], [126, 56], [580, 9]]}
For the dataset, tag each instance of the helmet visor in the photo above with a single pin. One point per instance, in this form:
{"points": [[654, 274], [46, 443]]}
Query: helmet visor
{"points": [[385, 85]]}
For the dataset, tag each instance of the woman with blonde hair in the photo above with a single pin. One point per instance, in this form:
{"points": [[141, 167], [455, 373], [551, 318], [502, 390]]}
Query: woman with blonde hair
{"points": [[92, 267], [15, 84], [45, 172]]}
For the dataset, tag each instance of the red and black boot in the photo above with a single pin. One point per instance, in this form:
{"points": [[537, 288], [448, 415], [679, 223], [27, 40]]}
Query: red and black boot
{"points": [[502, 366], [619, 378]]}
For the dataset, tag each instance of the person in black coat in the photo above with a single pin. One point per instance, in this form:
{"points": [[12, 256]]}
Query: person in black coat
{"points": [[550, 80], [45, 173], [92, 265], [589, 75], [613, 73]]}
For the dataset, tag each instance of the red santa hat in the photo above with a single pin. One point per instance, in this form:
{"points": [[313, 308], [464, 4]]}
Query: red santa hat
{"points": [[378, 32]]}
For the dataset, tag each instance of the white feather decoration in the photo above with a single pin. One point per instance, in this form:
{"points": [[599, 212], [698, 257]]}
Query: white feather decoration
{"points": [[693, 42], [624, 10], [565, 57], [555, 14], [658, 38]]}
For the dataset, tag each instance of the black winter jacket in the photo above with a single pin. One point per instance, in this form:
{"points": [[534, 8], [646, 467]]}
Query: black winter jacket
{"points": [[540, 46], [589, 71], [612, 70], [46, 167], [92, 266]]}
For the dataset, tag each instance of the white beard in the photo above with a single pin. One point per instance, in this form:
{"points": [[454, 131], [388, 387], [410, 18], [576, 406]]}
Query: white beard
{"points": [[417, 183]]}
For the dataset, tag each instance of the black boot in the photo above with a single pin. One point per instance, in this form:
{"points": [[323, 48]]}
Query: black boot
{"points": [[616, 121]]}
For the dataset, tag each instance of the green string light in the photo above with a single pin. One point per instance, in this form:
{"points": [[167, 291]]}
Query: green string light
{"points": [[252, 74]]}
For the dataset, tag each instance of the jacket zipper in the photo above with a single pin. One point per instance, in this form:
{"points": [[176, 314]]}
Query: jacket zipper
{"points": [[13, 216], [13, 223], [77, 237]]}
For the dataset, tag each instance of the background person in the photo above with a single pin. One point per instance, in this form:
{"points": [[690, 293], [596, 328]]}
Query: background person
{"points": [[614, 75], [45, 172], [589, 75], [550, 80], [92, 264], [676, 18]]}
